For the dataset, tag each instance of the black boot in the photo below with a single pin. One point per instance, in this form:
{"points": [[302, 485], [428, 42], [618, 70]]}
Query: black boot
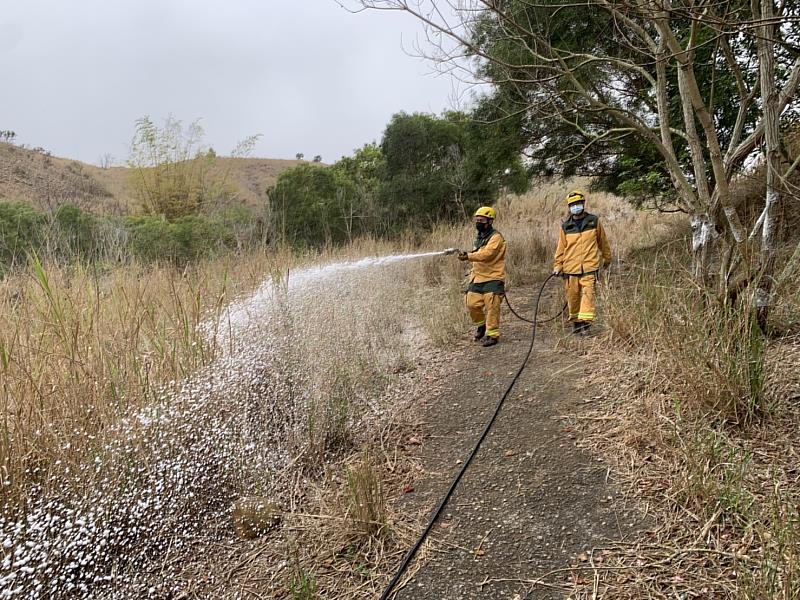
{"points": [[585, 326], [489, 341], [577, 326], [480, 332]]}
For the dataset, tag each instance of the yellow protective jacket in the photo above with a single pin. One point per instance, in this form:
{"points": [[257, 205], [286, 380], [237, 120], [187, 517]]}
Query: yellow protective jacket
{"points": [[580, 247], [488, 259]]}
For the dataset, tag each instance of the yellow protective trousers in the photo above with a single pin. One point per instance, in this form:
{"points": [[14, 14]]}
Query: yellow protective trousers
{"points": [[485, 309], [580, 297]]}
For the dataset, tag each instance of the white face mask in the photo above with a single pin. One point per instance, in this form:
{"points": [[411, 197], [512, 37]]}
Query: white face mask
{"points": [[576, 209]]}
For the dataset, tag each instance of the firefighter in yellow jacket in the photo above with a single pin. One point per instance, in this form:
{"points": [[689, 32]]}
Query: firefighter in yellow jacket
{"points": [[582, 243], [487, 277]]}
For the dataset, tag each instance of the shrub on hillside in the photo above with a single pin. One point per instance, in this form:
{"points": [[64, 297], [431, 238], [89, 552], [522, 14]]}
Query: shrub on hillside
{"points": [[198, 237], [21, 232], [187, 239], [78, 231]]}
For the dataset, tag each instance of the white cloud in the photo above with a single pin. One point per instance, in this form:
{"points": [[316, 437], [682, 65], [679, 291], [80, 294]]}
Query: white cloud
{"points": [[306, 74]]}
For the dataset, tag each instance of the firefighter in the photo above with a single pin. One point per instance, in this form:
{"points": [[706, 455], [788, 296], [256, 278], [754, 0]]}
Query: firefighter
{"points": [[486, 278], [582, 243]]}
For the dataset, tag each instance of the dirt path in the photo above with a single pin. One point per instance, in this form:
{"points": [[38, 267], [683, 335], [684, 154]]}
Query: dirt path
{"points": [[532, 502]]}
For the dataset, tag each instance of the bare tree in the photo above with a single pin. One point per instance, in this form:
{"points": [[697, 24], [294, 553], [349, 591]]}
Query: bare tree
{"points": [[652, 74], [106, 161]]}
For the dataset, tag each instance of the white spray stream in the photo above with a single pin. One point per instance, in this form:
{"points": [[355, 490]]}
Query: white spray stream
{"points": [[239, 317], [184, 458]]}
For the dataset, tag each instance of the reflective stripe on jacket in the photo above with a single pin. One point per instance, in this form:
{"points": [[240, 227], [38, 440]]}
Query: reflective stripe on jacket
{"points": [[580, 247], [488, 258]]}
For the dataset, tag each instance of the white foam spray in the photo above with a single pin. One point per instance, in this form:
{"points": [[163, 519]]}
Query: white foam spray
{"points": [[183, 456], [240, 316]]}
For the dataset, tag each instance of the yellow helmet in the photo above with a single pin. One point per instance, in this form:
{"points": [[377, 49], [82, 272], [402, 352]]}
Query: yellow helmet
{"points": [[576, 196], [486, 211]]}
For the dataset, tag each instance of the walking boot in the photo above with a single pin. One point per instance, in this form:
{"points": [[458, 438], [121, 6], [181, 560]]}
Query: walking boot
{"points": [[480, 332], [576, 327], [490, 341], [584, 331]]}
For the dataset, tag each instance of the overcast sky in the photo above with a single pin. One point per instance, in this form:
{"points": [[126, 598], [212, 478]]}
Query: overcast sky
{"points": [[307, 75]]}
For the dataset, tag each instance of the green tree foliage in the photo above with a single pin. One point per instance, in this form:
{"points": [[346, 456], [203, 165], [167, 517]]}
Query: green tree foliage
{"points": [[560, 131], [426, 169], [443, 168], [423, 154], [310, 205], [363, 173], [657, 100]]}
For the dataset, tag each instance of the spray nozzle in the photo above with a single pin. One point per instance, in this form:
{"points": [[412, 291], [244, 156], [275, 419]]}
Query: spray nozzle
{"points": [[450, 251]]}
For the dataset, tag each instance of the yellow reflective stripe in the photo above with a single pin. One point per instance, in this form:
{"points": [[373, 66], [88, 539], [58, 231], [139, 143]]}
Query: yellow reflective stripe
{"points": [[586, 316], [479, 323], [493, 332]]}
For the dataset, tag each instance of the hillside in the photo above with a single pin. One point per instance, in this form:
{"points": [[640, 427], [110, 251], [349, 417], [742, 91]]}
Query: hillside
{"points": [[48, 181]]}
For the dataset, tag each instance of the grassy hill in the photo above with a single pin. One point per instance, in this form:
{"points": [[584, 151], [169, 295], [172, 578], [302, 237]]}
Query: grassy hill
{"points": [[48, 181]]}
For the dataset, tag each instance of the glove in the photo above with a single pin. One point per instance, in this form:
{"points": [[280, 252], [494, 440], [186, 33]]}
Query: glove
{"points": [[462, 256]]}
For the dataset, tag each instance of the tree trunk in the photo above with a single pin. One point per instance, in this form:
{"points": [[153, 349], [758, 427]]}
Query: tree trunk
{"points": [[769, 228], [703, 234]]}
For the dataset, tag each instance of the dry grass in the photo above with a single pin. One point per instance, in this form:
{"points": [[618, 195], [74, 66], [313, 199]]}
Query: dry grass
{"points": [[139, 404], [531, 223], [81, 348], [697, 412], [48, 181]]}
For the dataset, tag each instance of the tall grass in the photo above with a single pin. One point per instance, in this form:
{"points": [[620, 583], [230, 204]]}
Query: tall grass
{"points": [[367, 506], [140, 402], [80, 348], [713, 351], [704, 426]]}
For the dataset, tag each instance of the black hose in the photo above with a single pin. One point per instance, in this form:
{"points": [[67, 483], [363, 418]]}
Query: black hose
{"points": [[413, 550], [521, 318]]}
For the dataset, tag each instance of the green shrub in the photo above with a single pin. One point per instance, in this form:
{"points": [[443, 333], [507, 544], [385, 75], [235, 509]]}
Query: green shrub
{"points": [[78, 231], [198, 237], [187, 239], [21, 232], [151, 239]]}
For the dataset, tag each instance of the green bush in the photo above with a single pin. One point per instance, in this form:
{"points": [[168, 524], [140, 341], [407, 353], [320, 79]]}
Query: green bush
{"points": [[72, 234], [199, 237], [21, 232], [78, 231], [313, 205], [151, 240], [185, 240]]}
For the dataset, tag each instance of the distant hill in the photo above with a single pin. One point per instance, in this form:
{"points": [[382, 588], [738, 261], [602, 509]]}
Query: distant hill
{"points": [[48, 181]]}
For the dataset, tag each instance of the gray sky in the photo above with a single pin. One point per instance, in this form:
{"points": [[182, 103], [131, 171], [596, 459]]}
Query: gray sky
{"points": [[305, 74]]}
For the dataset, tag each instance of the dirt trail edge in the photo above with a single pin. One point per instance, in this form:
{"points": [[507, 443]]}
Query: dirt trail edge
{"points": [[532, 503]]}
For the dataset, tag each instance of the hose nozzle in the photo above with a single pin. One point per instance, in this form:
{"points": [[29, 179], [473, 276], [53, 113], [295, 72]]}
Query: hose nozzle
{"points": [[450, 251]]}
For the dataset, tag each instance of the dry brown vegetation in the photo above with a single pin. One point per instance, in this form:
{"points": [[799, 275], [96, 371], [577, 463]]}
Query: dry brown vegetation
{"points": [[697, 411], [138, 405], [47, 181]]}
